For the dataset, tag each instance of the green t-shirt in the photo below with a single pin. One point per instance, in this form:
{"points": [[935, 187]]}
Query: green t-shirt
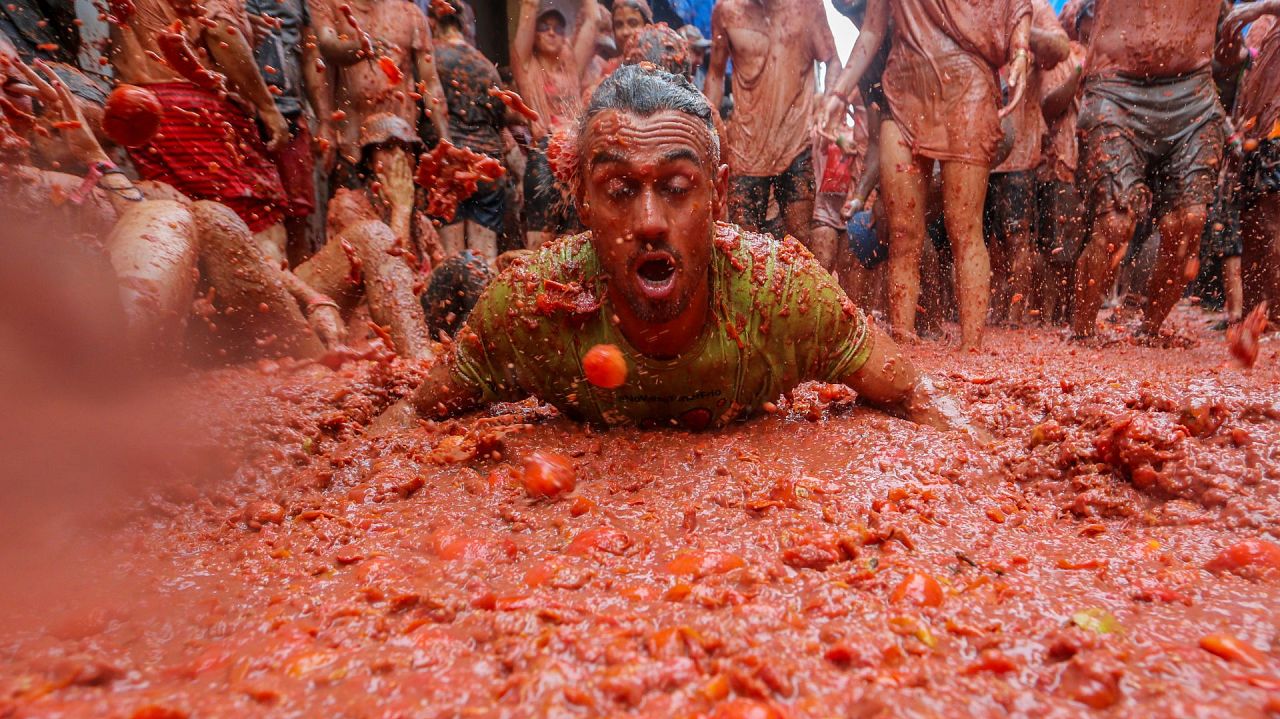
{"points": [[777, 319]]}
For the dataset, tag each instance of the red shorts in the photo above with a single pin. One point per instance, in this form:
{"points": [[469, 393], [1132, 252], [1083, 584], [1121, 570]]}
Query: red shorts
{"points": [[296, 164], [210, 149]]}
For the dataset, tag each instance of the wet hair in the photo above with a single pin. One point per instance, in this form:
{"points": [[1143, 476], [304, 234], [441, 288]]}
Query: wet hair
{"points": [[1086, 10], [454, 289], [448, 19], [646, 90]]}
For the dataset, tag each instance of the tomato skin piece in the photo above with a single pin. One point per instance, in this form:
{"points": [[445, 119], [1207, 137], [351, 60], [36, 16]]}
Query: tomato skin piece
{"points": [[605, 366], [918, 589], [1233, 650], [1252, 557], [391, 70], [547, 474]]}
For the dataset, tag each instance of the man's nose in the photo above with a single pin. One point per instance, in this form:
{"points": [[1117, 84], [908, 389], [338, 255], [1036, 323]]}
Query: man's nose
{"points": [[651, 216]]}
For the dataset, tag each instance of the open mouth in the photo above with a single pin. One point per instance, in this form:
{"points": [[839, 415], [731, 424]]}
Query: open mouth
{"points": [[657, 274]]}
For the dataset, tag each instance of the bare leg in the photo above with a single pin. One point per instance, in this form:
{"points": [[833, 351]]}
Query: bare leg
{"points": [[964, 188], [482, 241], [535, 240], [389, 287], [1096, 269], [453, 238], [903, 181], [797, 217], [249, 289], [1233, 288], [153, 251], [1179, 243], [274, 242], [1021, 270], [1260, 265], [822, 244]]}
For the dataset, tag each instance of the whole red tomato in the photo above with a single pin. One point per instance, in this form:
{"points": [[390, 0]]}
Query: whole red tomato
{"points": [[132, 115]]}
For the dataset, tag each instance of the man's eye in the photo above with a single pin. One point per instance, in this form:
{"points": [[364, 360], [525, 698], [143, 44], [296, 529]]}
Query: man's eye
{"points": [[679, 185], [618, 189]]}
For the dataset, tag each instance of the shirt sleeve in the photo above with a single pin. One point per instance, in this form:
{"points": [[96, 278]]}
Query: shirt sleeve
{"points": [[483, 356]]}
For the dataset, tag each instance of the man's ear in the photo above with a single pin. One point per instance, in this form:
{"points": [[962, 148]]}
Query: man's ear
{"points": [[580, 201], [722, 192]]}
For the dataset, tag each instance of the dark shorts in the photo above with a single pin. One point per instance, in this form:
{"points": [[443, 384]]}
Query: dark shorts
{"points": [[749, 196], [487, 207], [1010, 206], [547, 204], [296, 163], [1061, 222], [1260, 173], [1149, 144]]}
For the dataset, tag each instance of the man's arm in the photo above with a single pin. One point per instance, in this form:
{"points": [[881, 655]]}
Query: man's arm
{"points": [[1231, 51], [231, 53], [1057, 100], [1050, 45], [870, 37], [1019, 64], [433, 99], [339, 41], [440, 395], [526, 32], [824, 48], [713, 84], [584, 39], [861, 189], [888, 380], [316, 76]]}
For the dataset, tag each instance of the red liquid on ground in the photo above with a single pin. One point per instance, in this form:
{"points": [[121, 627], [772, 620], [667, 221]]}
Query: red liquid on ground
{"points": [[838, 566]]}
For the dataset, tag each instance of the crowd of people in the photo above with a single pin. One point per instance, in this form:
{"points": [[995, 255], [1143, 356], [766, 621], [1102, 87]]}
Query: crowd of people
{"points": [[266, 177]]}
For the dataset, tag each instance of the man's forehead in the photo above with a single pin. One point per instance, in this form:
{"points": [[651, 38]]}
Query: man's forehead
{"points": [[619, 136]]}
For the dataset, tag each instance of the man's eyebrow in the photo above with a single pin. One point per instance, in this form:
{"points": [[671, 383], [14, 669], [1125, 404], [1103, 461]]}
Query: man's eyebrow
{"points": [[604, 157], [681, 153]]}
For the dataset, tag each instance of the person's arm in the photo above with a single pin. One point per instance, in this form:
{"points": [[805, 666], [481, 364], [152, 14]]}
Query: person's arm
{"points": [[713, 84], [230, 51], [1019, 64], [315, 75], [433, 99], [824, 49], [526, 33], [870, 37], [867, 182], [1057, 100], [889, 381], [441, 395], [339, 41], [584, 38], [1050, 45], [394, 170]]}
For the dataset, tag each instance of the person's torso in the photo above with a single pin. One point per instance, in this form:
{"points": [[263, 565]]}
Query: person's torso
{"points": [[1152, 38], [761, 339], [279, 55], [475, 116], [365, 88], [773, 85], [931, 28]]}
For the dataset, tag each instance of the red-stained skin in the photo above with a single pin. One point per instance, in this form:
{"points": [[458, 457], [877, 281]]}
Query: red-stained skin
{"points": [[651, 185]]}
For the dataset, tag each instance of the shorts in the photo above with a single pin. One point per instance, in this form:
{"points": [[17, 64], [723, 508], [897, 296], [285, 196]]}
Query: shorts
{"points": [[1011, 205], [487, 207], [1221, 236], [1260, 173], [1061, 229], [296, 163], [750, 195], [547, 204], [827, 210], [1149, 144]]}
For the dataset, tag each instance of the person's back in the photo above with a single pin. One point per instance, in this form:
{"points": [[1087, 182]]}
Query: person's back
{"points": [[1152, 38], [475, 116]]}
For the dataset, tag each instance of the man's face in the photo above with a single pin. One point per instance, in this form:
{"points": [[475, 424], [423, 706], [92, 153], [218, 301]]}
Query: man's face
{"points": [[650, 195], [627, 21], [550, 38]]}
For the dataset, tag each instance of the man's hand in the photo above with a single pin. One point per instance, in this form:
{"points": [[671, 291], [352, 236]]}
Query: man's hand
{"points": [[1244, 13], [326, 142], [852, 207], [277, 128], [326, 321], [62, 113], [395, 175], [1017, 80], [927, 405], [264, 27], [832, 117]]}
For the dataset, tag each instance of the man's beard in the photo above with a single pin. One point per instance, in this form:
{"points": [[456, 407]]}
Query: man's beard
{"points": [[664, 310]]}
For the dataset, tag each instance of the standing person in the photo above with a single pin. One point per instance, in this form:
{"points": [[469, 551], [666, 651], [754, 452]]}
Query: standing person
{"points": [[1149, 110], [1061, 229], [548, 71], [944, 105], [207, 145], [773, 45], [283, 46], [698, 46], [1258, 117], [476, 121], [380, 63], [1010, 211]]}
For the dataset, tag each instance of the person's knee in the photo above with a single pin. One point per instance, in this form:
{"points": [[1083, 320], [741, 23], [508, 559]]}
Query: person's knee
{"points": [[1117, 228]]}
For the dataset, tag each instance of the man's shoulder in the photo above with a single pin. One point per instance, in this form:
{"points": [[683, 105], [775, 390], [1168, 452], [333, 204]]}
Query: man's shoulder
{"points": [[562, 275]]}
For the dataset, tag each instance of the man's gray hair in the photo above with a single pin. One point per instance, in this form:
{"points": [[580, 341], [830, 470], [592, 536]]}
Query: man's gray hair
{"points": [[646, 90]]}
